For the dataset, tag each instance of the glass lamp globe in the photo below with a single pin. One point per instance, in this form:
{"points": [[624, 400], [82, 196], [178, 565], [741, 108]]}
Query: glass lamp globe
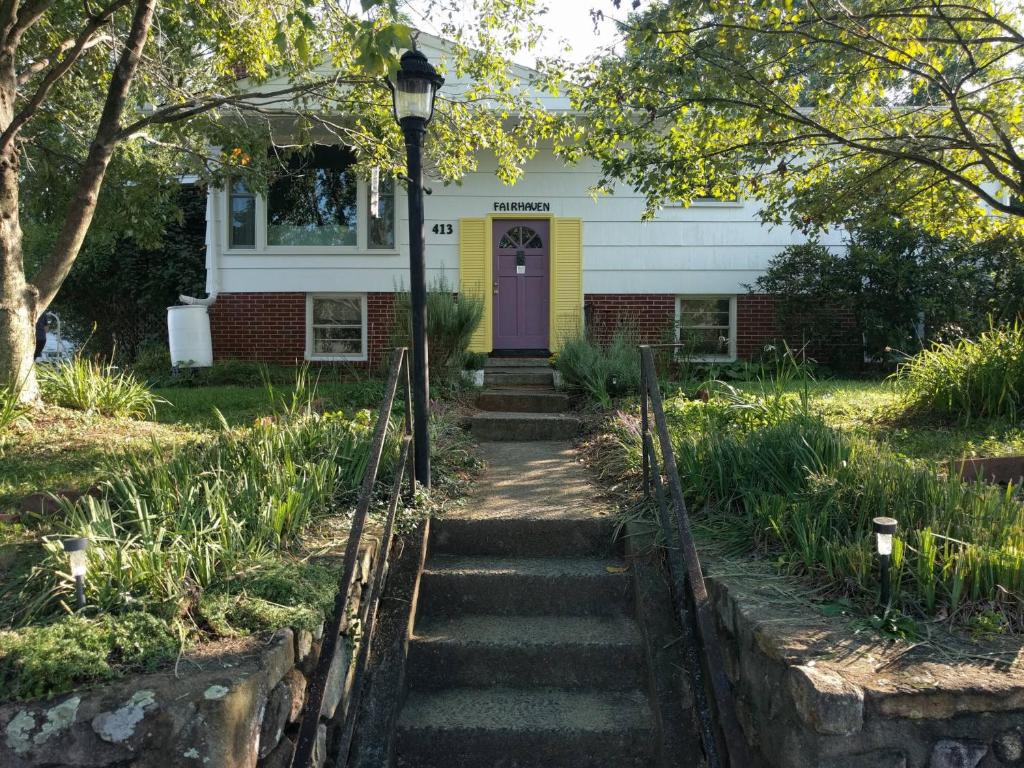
{"points": [[415, 87]]}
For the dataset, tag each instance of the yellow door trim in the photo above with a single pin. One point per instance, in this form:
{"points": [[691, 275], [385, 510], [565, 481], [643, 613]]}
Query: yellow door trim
{"points": [[483, 340]]}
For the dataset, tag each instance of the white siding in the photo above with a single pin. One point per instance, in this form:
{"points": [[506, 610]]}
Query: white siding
{"points": [[715, 248]]}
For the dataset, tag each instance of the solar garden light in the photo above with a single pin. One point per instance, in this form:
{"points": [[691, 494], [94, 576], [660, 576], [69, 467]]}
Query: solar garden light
{"points": [[413, 91], [884, 527], [76, 549]]}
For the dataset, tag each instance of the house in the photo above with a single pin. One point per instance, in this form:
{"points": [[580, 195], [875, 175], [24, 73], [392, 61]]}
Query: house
{"points": [[546, 256]]}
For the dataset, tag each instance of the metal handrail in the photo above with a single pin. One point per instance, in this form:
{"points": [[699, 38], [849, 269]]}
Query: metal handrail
{"points": [[724, 742], [317, 687]]}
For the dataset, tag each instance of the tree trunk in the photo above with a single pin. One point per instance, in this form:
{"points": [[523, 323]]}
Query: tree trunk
{"points": [[18, 299]]}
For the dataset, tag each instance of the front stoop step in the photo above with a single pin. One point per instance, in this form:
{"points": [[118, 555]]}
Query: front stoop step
{"points": [[498, 378], [507, 426], [533, 728], [523, 586], [522, 401], [516, 362], [570, 652]]}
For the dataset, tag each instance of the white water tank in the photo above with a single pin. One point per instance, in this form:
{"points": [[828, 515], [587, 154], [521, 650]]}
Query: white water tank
{"points": [[188, 329]]}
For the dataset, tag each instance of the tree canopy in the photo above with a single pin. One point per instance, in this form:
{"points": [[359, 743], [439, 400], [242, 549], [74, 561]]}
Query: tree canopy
{"points": [[105, 104], [827, 111]]}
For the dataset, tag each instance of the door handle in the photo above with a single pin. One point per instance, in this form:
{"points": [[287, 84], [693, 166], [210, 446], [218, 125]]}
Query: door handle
{"points": [[495, 287]]}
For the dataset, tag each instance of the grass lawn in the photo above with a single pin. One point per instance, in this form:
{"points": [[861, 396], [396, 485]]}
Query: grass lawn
{"points": [[866, 408], [57, 449], [240, 405]]}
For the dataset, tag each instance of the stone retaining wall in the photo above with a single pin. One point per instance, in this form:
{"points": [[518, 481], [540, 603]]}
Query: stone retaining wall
{"points": [[237, 709], [812, 693]]}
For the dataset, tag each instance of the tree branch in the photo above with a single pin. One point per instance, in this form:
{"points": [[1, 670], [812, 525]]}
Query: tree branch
{"points": [[60, 69], [82, 207]]}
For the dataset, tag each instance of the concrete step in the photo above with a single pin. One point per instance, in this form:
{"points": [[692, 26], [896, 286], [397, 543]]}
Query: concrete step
{"points": [[506, 426], [523, 586], [540, 728], [516, 362], [499, 378], [525, 536], [526, 651], [522, 401]]}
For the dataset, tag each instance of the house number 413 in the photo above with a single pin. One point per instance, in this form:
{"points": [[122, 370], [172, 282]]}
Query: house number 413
{"points": [[443, 229]]}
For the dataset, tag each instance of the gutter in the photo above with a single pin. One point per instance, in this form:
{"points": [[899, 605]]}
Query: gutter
{"points": [[212, 254]]}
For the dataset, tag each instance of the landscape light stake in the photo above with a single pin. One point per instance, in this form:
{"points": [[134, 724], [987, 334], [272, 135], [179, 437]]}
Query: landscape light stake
{"points": [[413, 91], [884, 527], [76, 549]]}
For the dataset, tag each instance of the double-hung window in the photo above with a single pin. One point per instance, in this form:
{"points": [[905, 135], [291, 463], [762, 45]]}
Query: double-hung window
{"points": [[706, 325], [336, 326], [242, 204]]}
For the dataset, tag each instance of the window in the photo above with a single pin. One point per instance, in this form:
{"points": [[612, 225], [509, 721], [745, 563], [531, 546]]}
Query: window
{"points": [[520, 237], [313, 202], [243, 215], [336, 326], [381, 231], [707, 326]]}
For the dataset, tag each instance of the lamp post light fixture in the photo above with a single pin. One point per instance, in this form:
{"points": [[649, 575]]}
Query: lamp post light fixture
{"points": [[413, 91], [76, 549], [884, 527]]}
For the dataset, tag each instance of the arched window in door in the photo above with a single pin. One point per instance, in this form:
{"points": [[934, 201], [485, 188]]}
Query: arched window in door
{"points": [[520, 237]]}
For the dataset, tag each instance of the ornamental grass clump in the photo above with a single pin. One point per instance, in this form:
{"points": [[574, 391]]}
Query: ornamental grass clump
{"points": [[807, 493], [87, 385], [164, 530], [600, 372], [967, 379], [772, 477]]}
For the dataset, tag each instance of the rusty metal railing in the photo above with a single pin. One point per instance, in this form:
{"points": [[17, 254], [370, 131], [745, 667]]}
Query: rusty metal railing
{"points": [[316, 690], [724, 742]]}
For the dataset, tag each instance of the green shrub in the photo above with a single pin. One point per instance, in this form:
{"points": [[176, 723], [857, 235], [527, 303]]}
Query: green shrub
{"points": [[600, 372], [86, 385], [52, 658], [451, 321], [967, 379], [474, 361]]}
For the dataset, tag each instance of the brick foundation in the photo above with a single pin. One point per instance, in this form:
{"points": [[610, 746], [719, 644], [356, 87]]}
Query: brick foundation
{"points": [[648, 318], [271, 327]]}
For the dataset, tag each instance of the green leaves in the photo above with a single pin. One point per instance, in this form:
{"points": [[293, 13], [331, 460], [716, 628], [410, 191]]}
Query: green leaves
{"points": [[874, 107]]}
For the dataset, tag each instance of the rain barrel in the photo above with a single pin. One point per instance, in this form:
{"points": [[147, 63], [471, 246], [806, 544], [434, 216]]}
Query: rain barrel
{"points": [[188, 330]]}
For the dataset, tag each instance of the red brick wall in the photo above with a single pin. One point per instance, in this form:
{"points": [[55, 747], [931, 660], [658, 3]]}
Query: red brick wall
{"points": [[757, 325], [271, 327], [648, 316]]}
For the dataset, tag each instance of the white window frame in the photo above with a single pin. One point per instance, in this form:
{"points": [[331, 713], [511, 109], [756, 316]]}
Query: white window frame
{"points": [[363, 355], [261, 248], [727, 358]]}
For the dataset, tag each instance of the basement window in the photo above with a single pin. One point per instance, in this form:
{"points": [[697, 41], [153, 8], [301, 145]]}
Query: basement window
{"points": [[336, 326], [707, 327]]}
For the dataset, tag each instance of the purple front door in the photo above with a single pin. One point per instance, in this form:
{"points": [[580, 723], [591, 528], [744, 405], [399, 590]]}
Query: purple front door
{"points": [[521, 284]]}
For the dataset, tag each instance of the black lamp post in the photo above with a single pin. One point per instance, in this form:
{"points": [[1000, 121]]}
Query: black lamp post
{"points": [[76, 549], [884, 527], [414, 89]]}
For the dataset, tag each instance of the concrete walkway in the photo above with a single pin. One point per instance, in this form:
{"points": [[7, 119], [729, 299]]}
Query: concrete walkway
{"points": [[539, 480]]}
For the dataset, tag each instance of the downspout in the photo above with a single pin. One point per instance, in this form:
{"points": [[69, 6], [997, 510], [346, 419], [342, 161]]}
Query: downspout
{"points": [[212, 253]]}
